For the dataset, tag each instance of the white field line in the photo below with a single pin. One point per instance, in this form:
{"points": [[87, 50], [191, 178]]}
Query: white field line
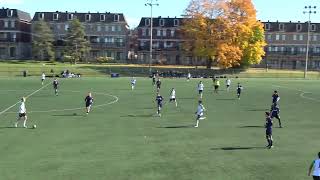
{"points": [[302, 93], [5, 110]]}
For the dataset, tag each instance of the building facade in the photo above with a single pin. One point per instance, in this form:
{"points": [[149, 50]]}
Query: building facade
{"points": [[15, 34], [287, 45], [106, 32]]}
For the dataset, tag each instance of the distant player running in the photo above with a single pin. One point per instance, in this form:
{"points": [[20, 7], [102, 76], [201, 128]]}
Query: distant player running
{"points": [[228, 84], [200, 113], [89, 102], [43, 77], [275, 97], [316, 168], [200, 89], [158, 84], [173, 97], [154, 79], [22, 114], [275, 111], [133, 83], [216, 85], [239, 90], [268, 127], [188, 76], [159, 100], [55, 86]]}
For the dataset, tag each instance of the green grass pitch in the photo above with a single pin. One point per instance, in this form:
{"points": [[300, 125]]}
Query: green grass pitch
{"points": [[121, 139]]}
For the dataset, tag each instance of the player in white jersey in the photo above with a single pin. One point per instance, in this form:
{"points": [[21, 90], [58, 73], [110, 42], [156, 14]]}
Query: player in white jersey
{"points": [[22, 114], [173, 97], [43, 77], [316, 168], [228, 84], [200, 113], [200, 89], [133, 83], [188, 77]]}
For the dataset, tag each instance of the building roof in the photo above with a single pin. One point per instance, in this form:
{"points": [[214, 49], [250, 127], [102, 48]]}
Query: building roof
{"points": [[298, 27], [167, 22], [15, 13], [94, 17]]}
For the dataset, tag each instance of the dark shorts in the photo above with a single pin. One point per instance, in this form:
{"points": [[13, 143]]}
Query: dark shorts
{"points": [[22, 114], [239, 92], [200, 91], [172, 99], [216, 87], [316, 177], [160, 105], [88, 104], [268, 132], [158, 87], [228, 85], [275, 116]]}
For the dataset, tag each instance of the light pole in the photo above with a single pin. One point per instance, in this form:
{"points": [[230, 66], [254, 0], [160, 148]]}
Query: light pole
{"points": [[308, 10], [151, 3]]}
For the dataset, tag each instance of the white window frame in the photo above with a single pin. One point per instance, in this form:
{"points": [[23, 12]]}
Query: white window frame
{"points": [[9, 12], [314, 37], [176, 22], [116, 18], [147, 22], [295, 37], [13, 24], [66, 27], [283, 37], [55, 15], [113, 28], [144, 32], [172, 33], [299, 27], [164, 32], [301, 37], [70, 16], [281, 27], [158, 32], [87, 17], [267, 26], [102, 17], [41, 16], [98, 28], [6, 24], [161, 22], [313, 27], [277, 37]]}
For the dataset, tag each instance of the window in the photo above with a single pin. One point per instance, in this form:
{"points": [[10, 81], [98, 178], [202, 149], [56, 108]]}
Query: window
{"points": [[172, 33], [313, 27], [55, 16], [106, 28], [58, 26], [314, 38], [6, 24], [281, 27], [176, 22], [292, 50], [295, 37], [10, 13], [161, 22], [269, 37], [301, 37], [144, 32], [158, 32], [283, 37], [88, 17], [147, 22], [164, 33], [98, 28], [66, 27], [142, 43], [102, 17], [282, 49], [70, 16], [269, 49], [13, 24], [119, 28], [14, 37], [41, 15], [267, 26], [299, 27], [113, 28], [277, 37], [275, 49], [116, 18]]}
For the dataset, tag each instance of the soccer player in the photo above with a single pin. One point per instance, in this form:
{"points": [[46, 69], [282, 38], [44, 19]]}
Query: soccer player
{"points": [[55, 86], [275, 97], [133, 83], [158, 84], [275, 111], [239, 89], [228, 84], [154, 79], [268, 127], [22, 114], [200, 89], [43, 77], [216, 85], [188, 76], [159, 100], [199, 113], [173, 97], [89, 102], [316, 168]]}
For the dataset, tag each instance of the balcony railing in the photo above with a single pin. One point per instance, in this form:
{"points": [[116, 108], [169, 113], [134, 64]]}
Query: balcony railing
{"points": [[107, 45]]}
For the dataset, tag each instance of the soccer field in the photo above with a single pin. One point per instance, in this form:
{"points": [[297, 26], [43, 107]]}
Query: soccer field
{"points": [[122, 139]]}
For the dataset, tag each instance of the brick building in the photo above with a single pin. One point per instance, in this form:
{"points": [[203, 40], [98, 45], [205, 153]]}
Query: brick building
{"points": [[15, 34], [106, 32]]}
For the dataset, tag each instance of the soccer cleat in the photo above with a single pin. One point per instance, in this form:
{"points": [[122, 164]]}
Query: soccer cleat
{"points": [[196, 126], [25, 126], [270, 147], [16, 125]]}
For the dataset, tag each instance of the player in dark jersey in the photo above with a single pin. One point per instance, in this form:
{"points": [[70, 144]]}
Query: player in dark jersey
{"points": [[239, 89], [55, 86], [275, 111], [275, 97], [89, 102], [158, 84], [268, 127], [154, 79], [159, 100]]}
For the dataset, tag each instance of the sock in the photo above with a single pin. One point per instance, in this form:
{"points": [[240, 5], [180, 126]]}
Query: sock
{"points": [[268, 140], [271, 142], [24, 123], [279, 122], [197, 123]]}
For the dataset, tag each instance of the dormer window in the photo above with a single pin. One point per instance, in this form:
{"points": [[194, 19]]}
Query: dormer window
{"points": [[267, 26], [41, 15], [147, 22], [102, 17], [161, 22], [70, 16], [116, 18], [313, 27], [88, 17], [281, 27], [55, 16], [10, 13], [176, 22], [299, 27]]}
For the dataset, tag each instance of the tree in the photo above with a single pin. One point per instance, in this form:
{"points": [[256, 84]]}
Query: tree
{"points": [[224, 31], [77, 46], [42, 41]]}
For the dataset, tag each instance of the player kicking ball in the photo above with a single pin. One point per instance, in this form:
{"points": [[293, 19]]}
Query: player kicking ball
{"points": [[133, 83], [43, 77], [268, 127], [22, 115], [55, 84], [199, 113], [89, 102], [173, 97], [159, 100]]}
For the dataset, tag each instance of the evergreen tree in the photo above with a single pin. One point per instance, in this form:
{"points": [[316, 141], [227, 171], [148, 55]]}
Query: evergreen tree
{"points": [[42, 41]]}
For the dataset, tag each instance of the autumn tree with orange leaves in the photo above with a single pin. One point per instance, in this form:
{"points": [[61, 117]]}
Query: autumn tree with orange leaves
{"points": [[226, 32]]}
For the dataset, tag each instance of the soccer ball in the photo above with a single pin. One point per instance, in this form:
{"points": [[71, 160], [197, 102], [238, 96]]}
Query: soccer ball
{"points": [[34, 126]]}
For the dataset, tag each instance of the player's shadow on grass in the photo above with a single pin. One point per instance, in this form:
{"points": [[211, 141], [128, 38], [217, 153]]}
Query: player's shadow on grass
{"points": [[177, 127], [252, 127], [258, 110], [236, 148], [226, 99], [141, 115], [68, 115]]}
